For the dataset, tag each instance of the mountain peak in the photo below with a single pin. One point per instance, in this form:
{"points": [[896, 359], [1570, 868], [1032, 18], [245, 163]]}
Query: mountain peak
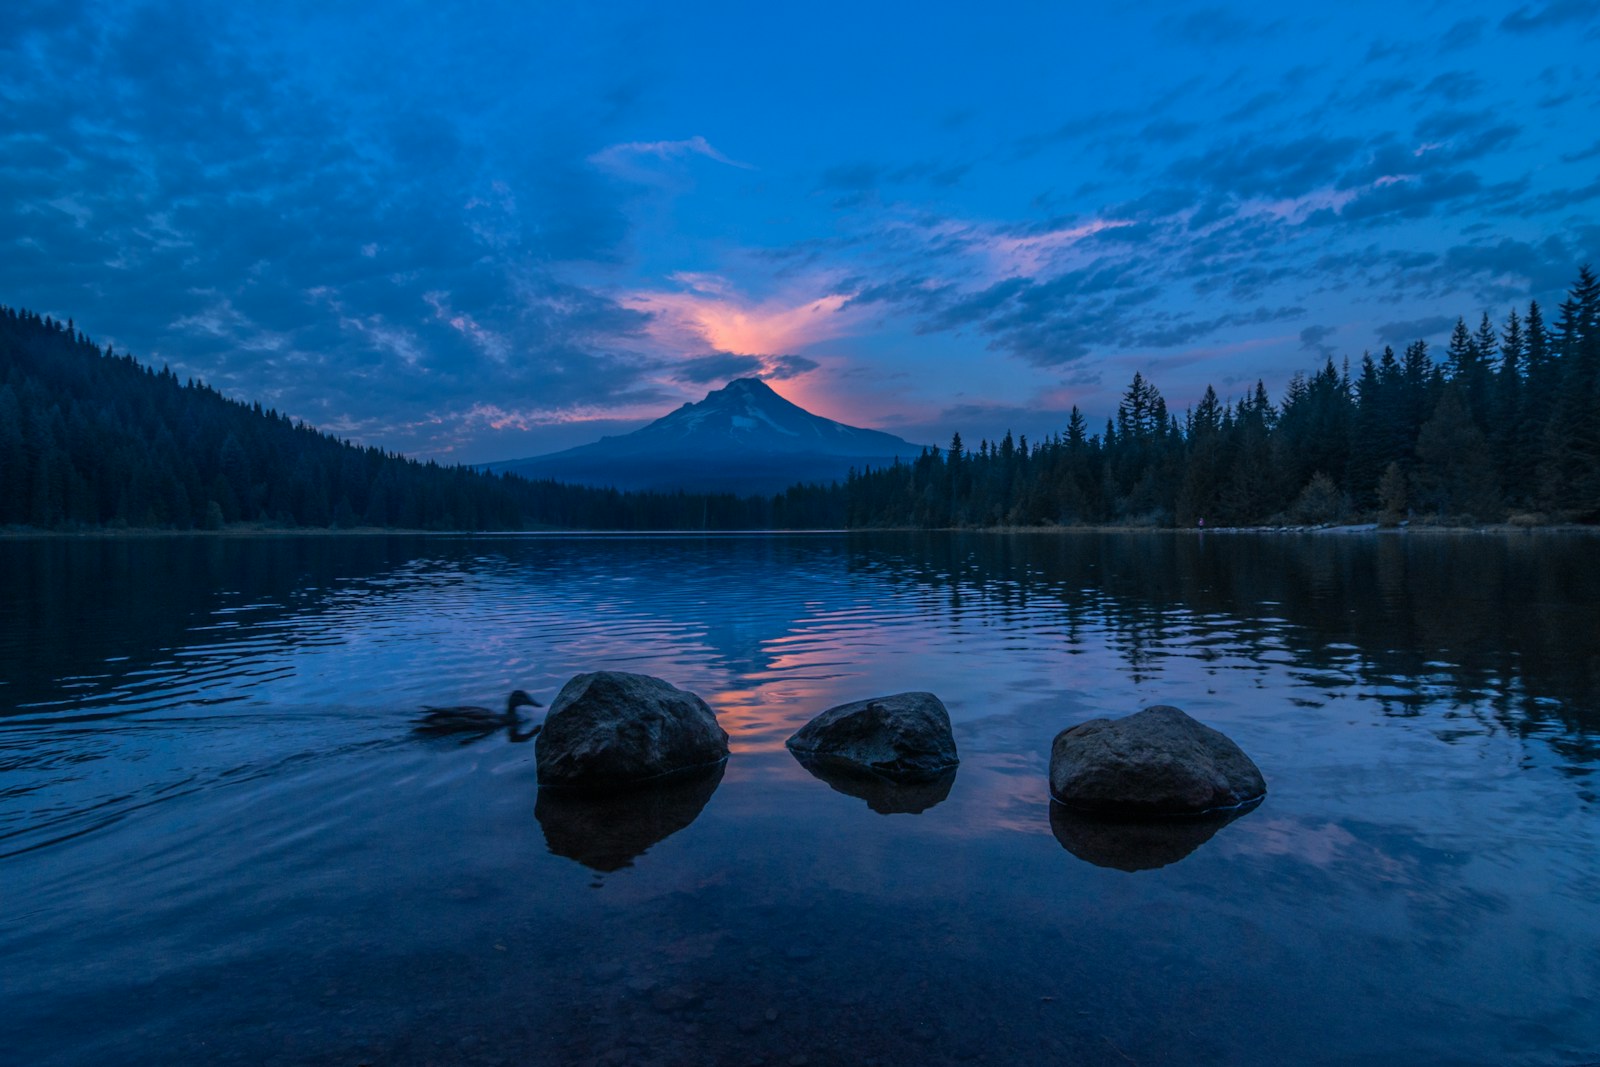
{"points": [[746, 387], [745, 435]]}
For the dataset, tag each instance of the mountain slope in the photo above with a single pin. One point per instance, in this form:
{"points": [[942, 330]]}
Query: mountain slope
{"points": [[741, 438], [90, 439]]}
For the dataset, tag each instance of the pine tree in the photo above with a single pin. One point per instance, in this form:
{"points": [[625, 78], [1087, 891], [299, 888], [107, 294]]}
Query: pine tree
{"points": [[1514, 434], [1454, 475], [1392, 494]]}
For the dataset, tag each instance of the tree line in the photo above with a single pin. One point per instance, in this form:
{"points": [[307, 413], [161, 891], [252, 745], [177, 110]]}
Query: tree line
{"points": [[92, 439], [1506, 425]]}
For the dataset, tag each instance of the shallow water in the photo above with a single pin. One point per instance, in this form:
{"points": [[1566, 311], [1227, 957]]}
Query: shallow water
{"points": [[219, 841]]}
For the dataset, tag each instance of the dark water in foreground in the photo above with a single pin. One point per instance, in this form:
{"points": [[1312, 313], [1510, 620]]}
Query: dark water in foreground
{"points": [[219, 842]]}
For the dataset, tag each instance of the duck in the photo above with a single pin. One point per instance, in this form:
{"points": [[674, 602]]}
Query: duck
{"points": [[476, 720]]}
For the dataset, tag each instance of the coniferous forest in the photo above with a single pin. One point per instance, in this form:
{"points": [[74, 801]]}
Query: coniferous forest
{"points": [[91, 439], [1505, 426]]}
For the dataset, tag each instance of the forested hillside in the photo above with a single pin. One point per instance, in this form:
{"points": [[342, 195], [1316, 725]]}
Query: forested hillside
{"points": [[1506, 425], [93, 439]]}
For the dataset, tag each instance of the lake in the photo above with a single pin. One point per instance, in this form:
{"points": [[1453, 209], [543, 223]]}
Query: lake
{"points": [[220, 841]]}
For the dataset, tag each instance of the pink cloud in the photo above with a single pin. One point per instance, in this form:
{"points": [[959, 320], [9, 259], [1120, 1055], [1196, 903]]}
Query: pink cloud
{"points": [[710, 316]]}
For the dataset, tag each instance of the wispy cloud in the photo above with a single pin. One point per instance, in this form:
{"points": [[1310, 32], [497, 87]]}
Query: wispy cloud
{"points": [[626, 156], [1037, 254]]}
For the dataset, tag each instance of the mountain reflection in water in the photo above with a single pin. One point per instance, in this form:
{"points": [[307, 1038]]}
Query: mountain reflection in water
{"points": [[217, 829]]}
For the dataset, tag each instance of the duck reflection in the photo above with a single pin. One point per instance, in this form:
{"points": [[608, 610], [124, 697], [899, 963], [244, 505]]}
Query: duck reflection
{"points": [[607, 832], [882, 795], [514, 732], [1135, 844], [470, 723]]}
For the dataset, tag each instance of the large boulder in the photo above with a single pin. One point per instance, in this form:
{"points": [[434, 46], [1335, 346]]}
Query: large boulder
{"points": [[609, 730], [1157, 762], [904, 738]]}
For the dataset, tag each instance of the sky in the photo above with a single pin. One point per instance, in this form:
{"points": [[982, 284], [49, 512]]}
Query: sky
{"points": [[486, 231]]}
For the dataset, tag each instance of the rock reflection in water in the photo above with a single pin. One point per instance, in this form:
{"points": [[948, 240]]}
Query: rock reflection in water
{"points": [[882, 795], [1135, 844], [608, 832]]}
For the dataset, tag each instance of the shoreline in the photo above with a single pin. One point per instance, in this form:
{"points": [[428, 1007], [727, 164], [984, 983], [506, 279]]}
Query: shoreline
{"points": [[264, 532]]}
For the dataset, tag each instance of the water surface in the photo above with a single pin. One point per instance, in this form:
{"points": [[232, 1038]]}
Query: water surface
{"points": [[219, 841]]}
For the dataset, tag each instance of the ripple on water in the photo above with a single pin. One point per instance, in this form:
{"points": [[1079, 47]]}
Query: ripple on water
{"points": [[213, 813]]}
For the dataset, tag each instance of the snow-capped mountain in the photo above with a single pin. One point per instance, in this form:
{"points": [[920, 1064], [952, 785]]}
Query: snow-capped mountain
{"points": [[741, 438]]}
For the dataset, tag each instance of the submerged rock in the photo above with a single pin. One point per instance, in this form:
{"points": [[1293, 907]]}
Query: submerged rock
{"points": [[1135, 844], [608, 831], [1157, 762], [904, 738], [882, 795], [610, 730]]}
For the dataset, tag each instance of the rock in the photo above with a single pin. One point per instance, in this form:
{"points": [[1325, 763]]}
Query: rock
{"points": [[883, 796], [1134, 844], [904, 738], [1157, 762], [608, 831], [609, 730]]}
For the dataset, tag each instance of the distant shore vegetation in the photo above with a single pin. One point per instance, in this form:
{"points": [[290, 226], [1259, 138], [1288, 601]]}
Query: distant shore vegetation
{"points": [[1505, 428]]}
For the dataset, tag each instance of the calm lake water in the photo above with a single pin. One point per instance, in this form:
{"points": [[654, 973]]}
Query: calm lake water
{"points": [[219, 841]]}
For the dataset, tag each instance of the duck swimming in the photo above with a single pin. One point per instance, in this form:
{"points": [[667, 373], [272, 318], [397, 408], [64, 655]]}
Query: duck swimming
{"points": [[467, 719]]}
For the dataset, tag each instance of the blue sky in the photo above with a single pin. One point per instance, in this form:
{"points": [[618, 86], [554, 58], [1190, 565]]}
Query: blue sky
{"points": [[495, 230]]}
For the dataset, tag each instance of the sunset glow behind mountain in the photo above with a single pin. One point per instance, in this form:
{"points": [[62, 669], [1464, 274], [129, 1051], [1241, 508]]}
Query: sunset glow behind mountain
{"points": [[501, 233]]}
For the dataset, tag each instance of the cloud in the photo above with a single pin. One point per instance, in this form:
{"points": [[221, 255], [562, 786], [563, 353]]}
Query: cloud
{"points": [[784, 368], [389, 245], [1509, 268], [1560, 199], [1443, 125], [1312, 339], [858, 183], [709, 314], [1405, 196], [717, 367], [850, 177], [1592, 152], [1033, 253], [624, 157], [1463, 34], [1528, 19], [190, 199], [723, 366], [1167, 131], [1400, 333], [1257, 167], [1454, 86], [1212, 26]]}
